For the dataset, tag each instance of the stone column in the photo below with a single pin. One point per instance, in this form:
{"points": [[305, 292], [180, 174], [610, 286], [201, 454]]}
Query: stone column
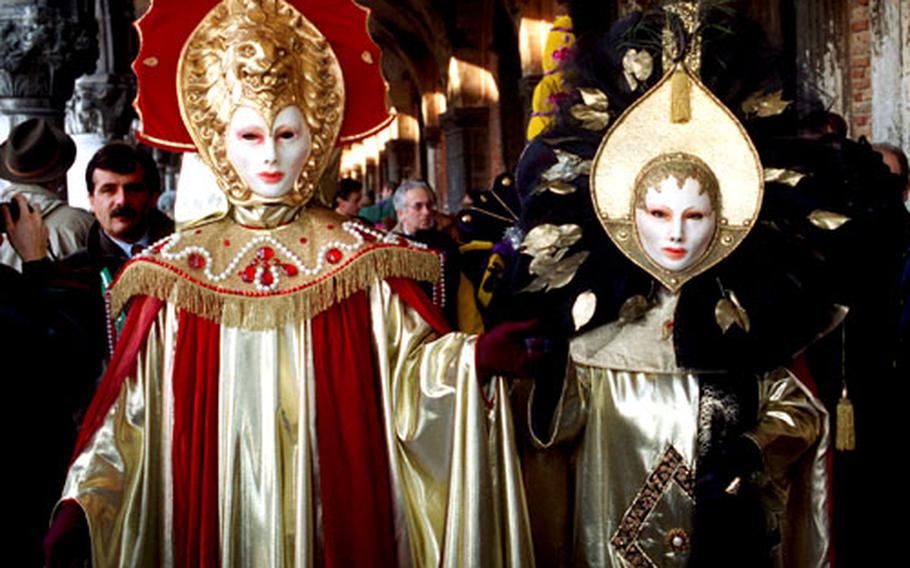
{"points": [[401, 157], [435, 173], [466, 132], [822, 54], [100, 109], [371, 177], [44, 46], [890, 72]]}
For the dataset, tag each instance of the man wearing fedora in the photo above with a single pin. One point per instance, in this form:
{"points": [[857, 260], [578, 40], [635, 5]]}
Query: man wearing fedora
{"points": [[35, 158]]}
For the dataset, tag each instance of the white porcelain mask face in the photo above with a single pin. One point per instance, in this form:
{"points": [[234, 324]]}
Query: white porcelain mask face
{"points": [[677, 224], [267, 158]]}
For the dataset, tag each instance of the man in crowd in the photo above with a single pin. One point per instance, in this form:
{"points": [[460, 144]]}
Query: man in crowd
{"points": [[896, 161], [35, 158], [123, 187], [348, 196], [415, 206]]}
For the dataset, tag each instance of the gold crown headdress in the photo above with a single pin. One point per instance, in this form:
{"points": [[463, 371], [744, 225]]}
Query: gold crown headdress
{"points": [[266, 55]]}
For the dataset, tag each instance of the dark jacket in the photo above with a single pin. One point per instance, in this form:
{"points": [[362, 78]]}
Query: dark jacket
{"points": [[49, 374], [81, 272], [84, 267]]}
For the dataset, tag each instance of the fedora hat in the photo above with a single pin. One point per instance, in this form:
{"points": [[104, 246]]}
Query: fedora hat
{"points": [[36, 151]]}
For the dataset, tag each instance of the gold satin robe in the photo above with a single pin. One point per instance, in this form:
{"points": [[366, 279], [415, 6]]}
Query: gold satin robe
{"points": [[635, 415], [457, 494]]}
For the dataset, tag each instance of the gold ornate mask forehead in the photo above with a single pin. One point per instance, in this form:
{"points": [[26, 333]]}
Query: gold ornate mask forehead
{"points": [[679, 130], [265, 55]]}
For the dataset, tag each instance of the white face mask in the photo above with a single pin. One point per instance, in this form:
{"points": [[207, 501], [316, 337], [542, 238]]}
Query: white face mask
{"points": [[268, 160], [677, 224]]}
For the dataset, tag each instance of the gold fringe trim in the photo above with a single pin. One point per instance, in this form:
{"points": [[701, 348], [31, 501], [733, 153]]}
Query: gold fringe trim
{"points": [[680, 95], [277, 308]]}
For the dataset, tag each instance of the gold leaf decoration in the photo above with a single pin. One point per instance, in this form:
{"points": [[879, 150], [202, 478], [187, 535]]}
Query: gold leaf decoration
{"points": [[764, 105], [827, 220], [568, 166], [557, 177], [729, 312], [593, 113], [594, 98], [637, 67], [546, 260], [548, 245], [561, 187], [780, 175], [558, 274], [583, 308], [634, 308], [546, 238]]}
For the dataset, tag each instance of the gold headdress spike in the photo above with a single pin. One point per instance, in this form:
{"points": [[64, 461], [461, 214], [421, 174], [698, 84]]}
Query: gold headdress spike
{"points": [[677, 130], [265, 55]]}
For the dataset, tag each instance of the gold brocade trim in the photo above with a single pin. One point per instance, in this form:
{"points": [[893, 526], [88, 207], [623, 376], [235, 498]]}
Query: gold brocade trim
{"points": [[265, 310], [670, 469]]}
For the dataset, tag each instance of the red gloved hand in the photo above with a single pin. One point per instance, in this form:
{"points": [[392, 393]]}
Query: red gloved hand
{"points": [[67, 542], [511, 348]]}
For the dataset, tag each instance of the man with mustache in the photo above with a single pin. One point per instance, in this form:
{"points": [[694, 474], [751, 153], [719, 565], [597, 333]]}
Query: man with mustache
{"points": [[123, 187]]}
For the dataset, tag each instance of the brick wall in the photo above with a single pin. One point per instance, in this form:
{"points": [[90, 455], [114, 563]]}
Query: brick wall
{"points": [[860, 83]]}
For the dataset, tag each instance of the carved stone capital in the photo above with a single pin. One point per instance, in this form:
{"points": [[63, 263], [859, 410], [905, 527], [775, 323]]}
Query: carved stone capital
{"points": [[101, 105], [43, 49]]}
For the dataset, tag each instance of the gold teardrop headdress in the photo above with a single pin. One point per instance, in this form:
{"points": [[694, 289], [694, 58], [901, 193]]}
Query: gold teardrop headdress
{"points": [[680, 123], [265, 55]]}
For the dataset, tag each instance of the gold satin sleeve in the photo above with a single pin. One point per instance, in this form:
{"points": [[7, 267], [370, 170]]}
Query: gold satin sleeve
{"points": [[793, 433], [788, 425], [459, 496], [115, 478]]}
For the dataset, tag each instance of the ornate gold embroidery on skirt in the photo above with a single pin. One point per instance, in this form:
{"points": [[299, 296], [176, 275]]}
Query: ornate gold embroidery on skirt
{"points": [[670, 469]]}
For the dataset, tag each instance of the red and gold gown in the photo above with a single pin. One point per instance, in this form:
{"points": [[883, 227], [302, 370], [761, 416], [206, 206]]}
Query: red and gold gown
{"points": [[284, 395]]}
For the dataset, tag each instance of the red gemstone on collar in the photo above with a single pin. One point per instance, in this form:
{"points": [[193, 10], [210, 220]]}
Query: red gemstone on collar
{"points": [[333, 255], [266, 253], [289, 269], [304, 240], [195, 261], [248, 274], [227, 243], [330, 226], [267, 279]]}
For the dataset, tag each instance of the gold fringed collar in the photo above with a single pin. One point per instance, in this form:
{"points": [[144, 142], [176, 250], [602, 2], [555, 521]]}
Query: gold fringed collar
{"points": [[260, 278]]}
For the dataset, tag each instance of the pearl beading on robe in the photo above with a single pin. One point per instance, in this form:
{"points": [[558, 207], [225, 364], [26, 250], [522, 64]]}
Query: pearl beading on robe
{"points": [[165, 247]]}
